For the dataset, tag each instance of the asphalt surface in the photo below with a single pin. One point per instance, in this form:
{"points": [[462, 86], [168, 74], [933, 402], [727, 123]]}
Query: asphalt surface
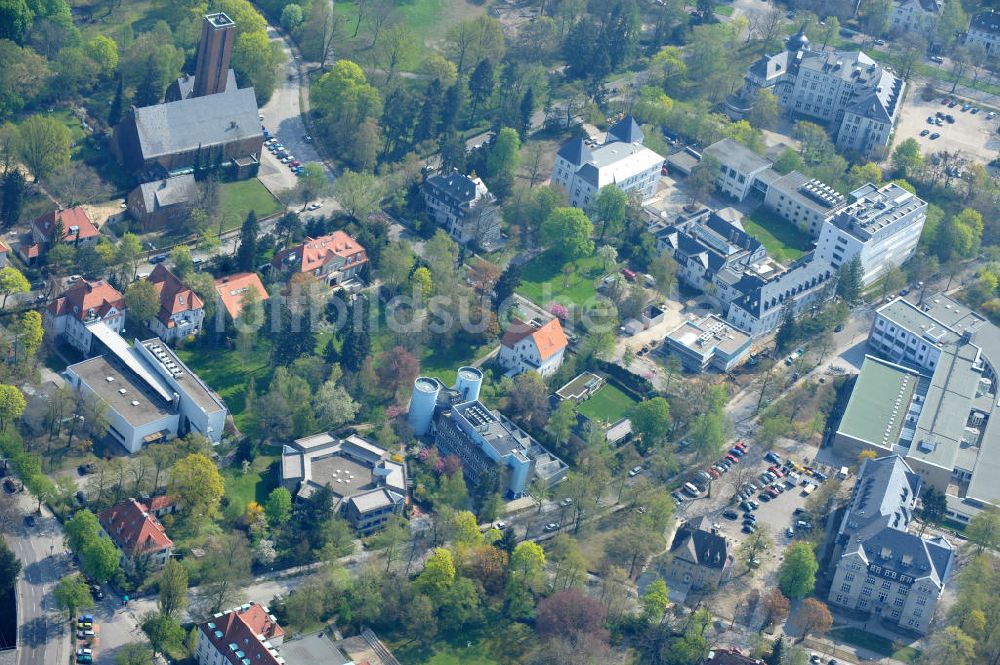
{"points": [[43, 631]]}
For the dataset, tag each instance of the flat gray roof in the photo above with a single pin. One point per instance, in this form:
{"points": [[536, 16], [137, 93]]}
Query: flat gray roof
{"points": [[138, 405], [736, 155], [189, 382], [312, 649], [879, 402], [708, 334]]}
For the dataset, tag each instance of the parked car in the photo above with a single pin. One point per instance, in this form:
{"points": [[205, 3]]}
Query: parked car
{"points": [[552, 526], [772, 456], [565, 503], [730, 514], [714, 473], [749, 528], [678, 497], [937, 59], [925, 132], [315, 206], [790, 532], [97, 592], [732, 458], [634, 471]]}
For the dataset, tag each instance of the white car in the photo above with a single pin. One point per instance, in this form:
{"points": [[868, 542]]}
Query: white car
{"points": [[315, 206]]}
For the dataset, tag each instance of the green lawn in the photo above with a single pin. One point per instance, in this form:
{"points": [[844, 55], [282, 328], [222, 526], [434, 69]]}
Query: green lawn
{"points": [[473, 650], [237, 199], [254, 485], [781, 238], [542, 280], [228, 372], [609, 404], [876, 643]]}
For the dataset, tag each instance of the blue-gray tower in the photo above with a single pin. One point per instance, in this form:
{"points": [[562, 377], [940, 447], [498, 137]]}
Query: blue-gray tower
{"points": [[422, 403], [470, 380]]}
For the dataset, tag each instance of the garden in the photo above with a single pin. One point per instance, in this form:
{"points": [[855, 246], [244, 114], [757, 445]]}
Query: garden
{"points": [[546, 278], [607, 405], [784, 241]]}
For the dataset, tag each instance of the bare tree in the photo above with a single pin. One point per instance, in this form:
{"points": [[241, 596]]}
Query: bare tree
{"points": [[382, 15]]}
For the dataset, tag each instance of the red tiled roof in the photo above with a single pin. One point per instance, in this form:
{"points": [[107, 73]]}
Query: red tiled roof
{"points": [[4, 248], [246, 627], [70, 217], [83, 297], [549, 337], [160, 502], [316, 252], [134, 530], [232, 288], [175, 297]]}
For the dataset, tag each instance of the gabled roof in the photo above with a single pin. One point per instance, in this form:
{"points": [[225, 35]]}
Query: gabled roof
{"points": [[549, 338], [178, 190], [700, 547], [314, 253], [626, 130], [175, 297], [458, 187], [70, 218], [232, 288], [133, 529], [86, 300], [576, 152], [242, 635]]}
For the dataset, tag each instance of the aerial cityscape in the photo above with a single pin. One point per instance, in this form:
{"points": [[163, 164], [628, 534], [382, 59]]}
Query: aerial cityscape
{"points": [[499, 332]]}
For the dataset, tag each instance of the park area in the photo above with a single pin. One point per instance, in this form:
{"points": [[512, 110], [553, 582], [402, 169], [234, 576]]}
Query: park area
{"points": [[237, 199], [607, 405], [784, 241], [546, 278]]}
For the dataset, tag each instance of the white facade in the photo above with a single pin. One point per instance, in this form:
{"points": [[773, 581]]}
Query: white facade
{"points": [[761, 310], [918, 16], [581, 172], [883, 226], [523, 356], [802, 201], [77, 333], [984, 30], [739, 167]]}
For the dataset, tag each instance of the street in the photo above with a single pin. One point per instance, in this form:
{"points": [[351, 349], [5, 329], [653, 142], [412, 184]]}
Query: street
{"points": [[43, 634]]}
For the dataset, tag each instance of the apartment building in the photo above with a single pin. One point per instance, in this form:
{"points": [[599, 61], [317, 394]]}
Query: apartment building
{"points": [[464, 207], [581, 171], [881, 569], [915, 16], [139, 536], [84, 303], [984, 30], [334, 259], [182, 312]]}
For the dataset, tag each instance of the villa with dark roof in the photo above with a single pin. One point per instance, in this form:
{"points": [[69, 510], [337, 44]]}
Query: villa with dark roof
{"points": [[463, 206], [856, 97], [699, 557], [880, 568], [208, 124], [984, 29], [581, 171]]}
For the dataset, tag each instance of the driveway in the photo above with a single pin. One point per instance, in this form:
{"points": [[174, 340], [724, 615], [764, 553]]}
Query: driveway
{"points": [[43, 630], [282, 117]]}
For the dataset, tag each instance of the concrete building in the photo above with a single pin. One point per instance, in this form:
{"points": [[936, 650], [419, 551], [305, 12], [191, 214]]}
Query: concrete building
{"points": [[857, 98], [245, 634], [368, 486], [984, 30], [882, 226], [489, 445], [465, 208], [149, 393], [182, 312], [334, 259], [708, 342], [699, 557], [71, 314], [533, 346], [803, 201], [143, 541], [580, 171], [915, 16], [739, 167], [163, 203], [881, 569], [207, 122]]}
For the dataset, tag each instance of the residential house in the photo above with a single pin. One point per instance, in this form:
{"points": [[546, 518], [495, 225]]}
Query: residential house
{"points": [[916, 16], [245, 634], [84, 303], [464, 207], [143, 541], [532, 346], [699, 557], [581, 171], [232, 291], [181, 310], [334, 259], [881, 569], [162, 203], [77, 230]]}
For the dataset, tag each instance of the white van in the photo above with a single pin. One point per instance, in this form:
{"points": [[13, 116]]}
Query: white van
{"points": [[691, 490]]}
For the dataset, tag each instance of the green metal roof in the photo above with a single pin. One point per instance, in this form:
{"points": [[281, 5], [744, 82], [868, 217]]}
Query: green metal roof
{"points": [[868, 417]]}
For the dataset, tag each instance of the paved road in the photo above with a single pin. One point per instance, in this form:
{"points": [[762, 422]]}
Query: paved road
{"points": [[43, 631]]}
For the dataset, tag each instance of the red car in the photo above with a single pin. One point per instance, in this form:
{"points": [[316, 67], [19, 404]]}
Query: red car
{"points": [[296, 163], [733, 458], [742, 446], [714, 473], [773, 492]]}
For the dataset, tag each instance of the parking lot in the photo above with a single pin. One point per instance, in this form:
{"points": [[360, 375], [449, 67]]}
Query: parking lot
{"points": [[974, 136]]}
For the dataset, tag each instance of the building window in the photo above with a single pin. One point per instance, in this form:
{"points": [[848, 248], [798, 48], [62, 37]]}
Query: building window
{"points": [[882, 596], [886, 584], [845, 587], [849, 577]]}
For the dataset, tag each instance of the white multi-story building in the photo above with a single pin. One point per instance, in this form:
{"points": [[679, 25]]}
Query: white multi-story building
{"points": [[739, 167], [803, 201], [984, 30], [882, 570], [856, 97], [917, 16], [83, 304], [580, 172], [530, 347], [882, 226]]}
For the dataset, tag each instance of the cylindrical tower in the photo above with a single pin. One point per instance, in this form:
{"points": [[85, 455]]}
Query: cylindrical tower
{"points": [[469, 381], [422, 402]]}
